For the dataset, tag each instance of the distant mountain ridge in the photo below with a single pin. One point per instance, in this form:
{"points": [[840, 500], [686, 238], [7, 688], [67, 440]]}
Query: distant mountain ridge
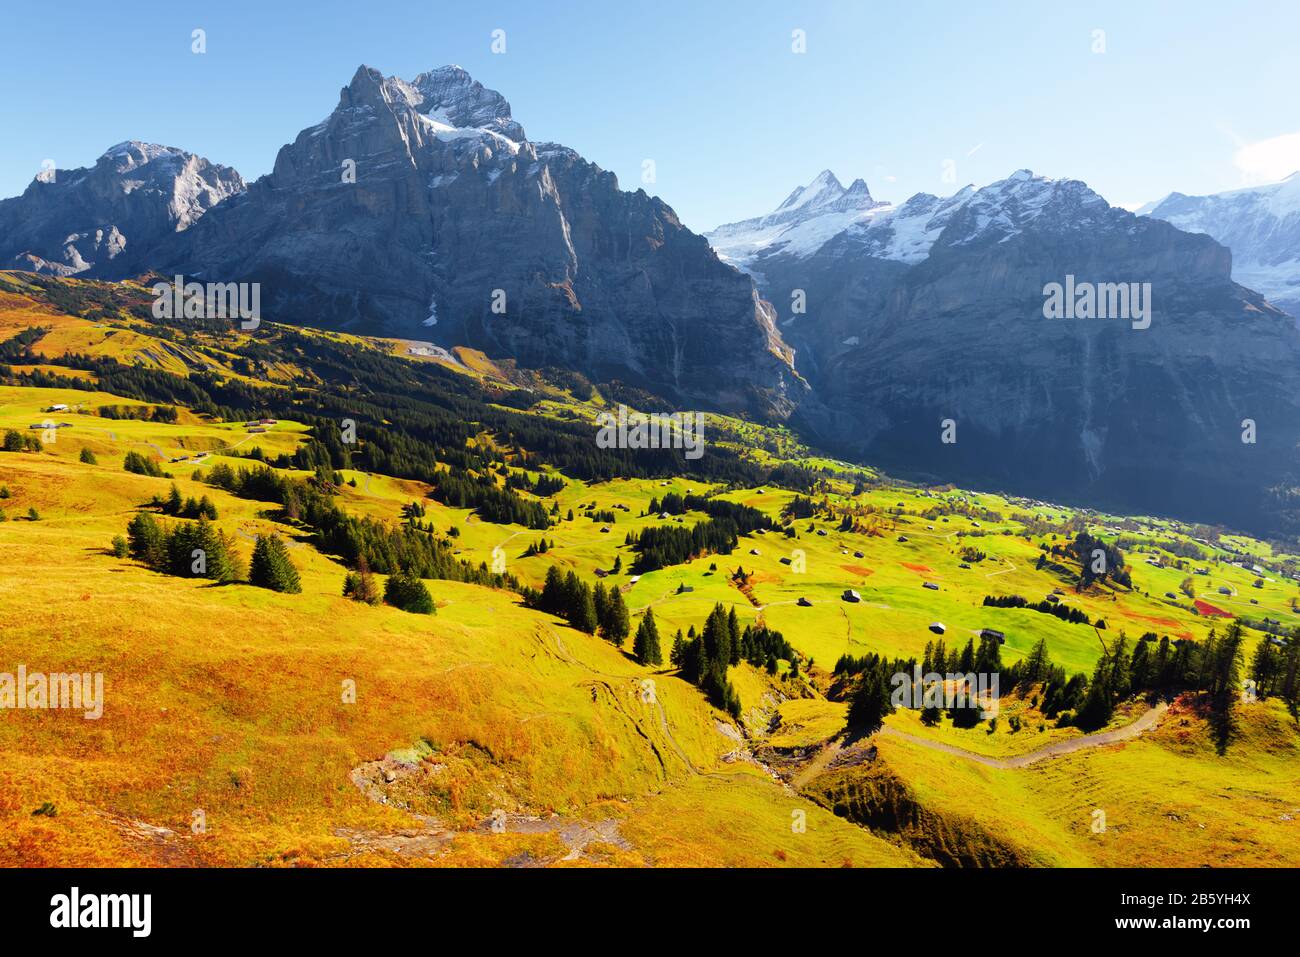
{"points": [[1260, 224], [110, 215]]}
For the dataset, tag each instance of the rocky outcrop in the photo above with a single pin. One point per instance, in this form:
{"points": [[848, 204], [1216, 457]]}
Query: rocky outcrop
{"points": [[109, 218]]}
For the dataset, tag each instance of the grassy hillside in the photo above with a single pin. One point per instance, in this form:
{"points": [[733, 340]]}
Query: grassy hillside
{"points": [[492, 733]]}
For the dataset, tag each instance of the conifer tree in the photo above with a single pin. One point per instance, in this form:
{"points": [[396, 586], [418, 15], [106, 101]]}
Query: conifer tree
{"points": [[271, 567], [360, 584], [409, 594], [645, 647], [600, 598], [870, 704], [584, 611], [617, 622], [552, 600], [145, 540]]}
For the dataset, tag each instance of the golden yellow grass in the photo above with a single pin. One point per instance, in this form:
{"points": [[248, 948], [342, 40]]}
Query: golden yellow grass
{"points": [[228, 700]]}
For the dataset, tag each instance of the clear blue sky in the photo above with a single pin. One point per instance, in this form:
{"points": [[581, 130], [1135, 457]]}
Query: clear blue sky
{"points": [[1193, 95]]}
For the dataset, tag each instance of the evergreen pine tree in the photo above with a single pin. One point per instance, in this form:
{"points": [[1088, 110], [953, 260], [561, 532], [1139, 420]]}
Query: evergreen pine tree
{"points": [[584, 610], [360, 585], [600, 598], [409, 594], [618, 621], [271, 567], [645, 647], [870, 704], [146, 541], [552, 600]]}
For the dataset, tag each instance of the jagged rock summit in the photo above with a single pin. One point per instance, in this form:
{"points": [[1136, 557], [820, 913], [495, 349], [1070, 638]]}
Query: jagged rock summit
{"points": [[108, 217]]}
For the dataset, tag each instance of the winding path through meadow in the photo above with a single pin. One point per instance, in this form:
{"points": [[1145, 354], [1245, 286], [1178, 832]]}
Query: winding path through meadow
{"points": [[1145, 723]]}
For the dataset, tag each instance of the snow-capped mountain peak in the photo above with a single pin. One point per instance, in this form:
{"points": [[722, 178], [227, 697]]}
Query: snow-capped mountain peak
{"points": [[1260, 224], [801, 225], [823, 191], [815, 214]]}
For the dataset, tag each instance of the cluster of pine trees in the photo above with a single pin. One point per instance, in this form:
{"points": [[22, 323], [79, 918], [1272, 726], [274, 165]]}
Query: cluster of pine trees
{"points": [[872, 700], [1152, 667], [492, 502], [1099, 560], [142, 464], [543, 486], [1058, 609], [763, 647], [15, 441], [986, 658], [704, 660], [387, 549], [190, 507], [359, 585], [146, 413], [585, 608], [401, 590], [799, 507], [660, 546], [539, 547], [745, 518], [19, 346], [1275, 669], [189, 549]]}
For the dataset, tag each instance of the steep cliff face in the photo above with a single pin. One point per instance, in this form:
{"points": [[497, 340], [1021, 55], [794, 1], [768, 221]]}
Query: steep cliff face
{"points": [[935, 311], [108, 217], [420, 209]]}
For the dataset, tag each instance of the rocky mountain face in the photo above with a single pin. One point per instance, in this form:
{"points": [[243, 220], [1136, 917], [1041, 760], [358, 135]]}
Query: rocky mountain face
{"points": [[932, 313], [420, 209], [1260, 224], [109, 217]]}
